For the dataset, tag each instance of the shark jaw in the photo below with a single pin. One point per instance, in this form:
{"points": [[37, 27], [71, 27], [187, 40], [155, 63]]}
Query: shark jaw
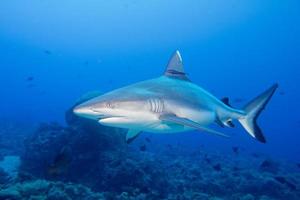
{"points": [[120, 118], [89, 113]]}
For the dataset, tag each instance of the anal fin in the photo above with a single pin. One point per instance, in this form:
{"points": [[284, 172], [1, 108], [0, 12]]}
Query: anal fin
{"points": [[219, 122]]}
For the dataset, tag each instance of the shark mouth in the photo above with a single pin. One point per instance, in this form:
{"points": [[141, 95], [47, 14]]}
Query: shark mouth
{"points": [[104, 116], [100, 117]]}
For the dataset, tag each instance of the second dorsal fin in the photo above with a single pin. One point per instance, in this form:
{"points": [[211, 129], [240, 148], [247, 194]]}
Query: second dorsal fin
{"points": [[175, 67], [225, 100]]}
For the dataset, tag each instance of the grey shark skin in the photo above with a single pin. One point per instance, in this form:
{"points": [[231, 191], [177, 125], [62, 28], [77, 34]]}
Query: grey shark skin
{"points": [[169, 104]]}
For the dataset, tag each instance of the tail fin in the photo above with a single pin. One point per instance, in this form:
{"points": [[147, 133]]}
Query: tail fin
{"points": [[253, 110]]}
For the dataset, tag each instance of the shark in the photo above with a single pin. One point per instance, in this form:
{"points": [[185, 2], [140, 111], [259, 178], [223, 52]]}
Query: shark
{"points": [[172, 103]]}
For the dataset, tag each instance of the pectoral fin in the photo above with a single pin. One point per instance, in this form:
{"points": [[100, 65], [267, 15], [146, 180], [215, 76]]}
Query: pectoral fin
{"points": [[131, 135], [190, 123]]}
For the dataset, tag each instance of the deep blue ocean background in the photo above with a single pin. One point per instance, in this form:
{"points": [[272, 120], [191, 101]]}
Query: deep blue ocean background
{"points": [[52, 52]]}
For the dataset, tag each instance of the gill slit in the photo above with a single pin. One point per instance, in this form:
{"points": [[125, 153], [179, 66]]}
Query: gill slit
{"points": [[156, 105]]}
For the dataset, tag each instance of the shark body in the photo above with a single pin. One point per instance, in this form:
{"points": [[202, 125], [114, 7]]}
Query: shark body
{"points": [[171, 103]]}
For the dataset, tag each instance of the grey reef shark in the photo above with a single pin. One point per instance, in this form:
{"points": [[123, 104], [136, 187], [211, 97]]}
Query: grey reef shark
{"points": [[171, 103]]}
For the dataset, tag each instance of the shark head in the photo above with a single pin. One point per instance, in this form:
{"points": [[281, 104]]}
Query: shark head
{"points": [[136, 106], [118, 108]]}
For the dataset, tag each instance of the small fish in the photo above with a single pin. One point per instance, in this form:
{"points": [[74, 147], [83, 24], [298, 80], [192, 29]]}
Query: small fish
{"points": [[282, 93], [143, 148], [30, 78], [236, 150], [48, 52], [217, 167], [61, 162], [148, 140], [255, 155]]}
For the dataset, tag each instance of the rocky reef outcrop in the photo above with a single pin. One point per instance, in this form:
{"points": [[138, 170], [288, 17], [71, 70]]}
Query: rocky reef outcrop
{"points": [[48, 190], [78, 152]]}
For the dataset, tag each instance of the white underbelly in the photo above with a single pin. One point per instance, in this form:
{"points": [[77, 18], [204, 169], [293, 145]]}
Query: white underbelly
{"points": [[167, 128], [150, 122]]}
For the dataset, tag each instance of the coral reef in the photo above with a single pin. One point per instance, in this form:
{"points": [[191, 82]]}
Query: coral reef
{"points": [[10, 166], [4, 177], [136, 174], [42, 189], [12, 135], [62, 153], [71, 151], [148, 175]]}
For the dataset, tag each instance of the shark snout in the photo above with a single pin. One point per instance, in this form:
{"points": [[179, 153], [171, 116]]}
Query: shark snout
{"points": [[89, 112], [81, 110]]}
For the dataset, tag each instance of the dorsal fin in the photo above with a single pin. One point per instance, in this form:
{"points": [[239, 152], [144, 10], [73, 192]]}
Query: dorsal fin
{"points": [[225, 100], [175, 67]]}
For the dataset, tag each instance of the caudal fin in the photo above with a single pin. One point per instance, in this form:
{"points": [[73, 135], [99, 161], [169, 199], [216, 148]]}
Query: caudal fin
{"points": [[253, 110]]}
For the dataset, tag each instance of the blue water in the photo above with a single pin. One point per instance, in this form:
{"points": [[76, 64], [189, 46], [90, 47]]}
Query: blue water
{"points": [[234, 49]]}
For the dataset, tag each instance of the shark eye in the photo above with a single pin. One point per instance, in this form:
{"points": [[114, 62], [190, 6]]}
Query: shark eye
{"points": [[110, 105]]}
